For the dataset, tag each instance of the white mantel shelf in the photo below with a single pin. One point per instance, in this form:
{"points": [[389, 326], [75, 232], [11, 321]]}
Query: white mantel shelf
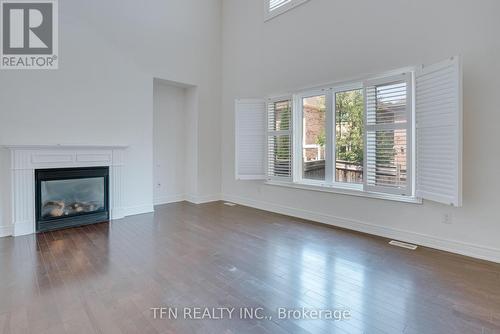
{"points": [[25, 159]]}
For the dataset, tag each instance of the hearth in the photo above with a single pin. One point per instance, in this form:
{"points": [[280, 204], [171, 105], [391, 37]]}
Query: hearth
{"points": [[68, 197]]}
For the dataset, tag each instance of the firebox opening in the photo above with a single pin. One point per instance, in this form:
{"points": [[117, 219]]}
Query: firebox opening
{"points": [[71, 197]]}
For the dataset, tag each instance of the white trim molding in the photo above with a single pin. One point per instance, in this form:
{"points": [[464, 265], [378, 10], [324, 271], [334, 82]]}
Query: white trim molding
{"points": [[169, 199], [201, 199], [194, 199], [345, 189], [138, 210], [25, 159], [453, 246], [5, 231]]}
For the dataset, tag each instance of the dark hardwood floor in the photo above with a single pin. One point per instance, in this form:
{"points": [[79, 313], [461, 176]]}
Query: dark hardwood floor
{"points": [[106, 278]]}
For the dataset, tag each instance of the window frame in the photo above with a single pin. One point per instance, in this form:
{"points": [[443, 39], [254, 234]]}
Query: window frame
{"points": [[298, 117], [330, 184], [276, 133], [330, 133], [339, 89], [408, 126], [269, 14]]}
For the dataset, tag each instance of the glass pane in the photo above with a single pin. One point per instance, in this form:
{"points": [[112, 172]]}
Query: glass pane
{"points": [[314, 139], [61, 198], [349, 109]]}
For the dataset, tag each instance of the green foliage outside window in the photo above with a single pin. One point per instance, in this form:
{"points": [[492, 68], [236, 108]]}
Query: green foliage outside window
{"points": [[349, 107]]}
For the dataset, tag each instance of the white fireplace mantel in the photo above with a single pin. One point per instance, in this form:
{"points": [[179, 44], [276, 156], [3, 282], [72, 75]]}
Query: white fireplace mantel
{"points": [[25, 159]]}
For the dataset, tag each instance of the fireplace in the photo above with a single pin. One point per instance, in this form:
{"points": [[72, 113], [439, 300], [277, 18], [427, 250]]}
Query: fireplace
{"points": [[69, 197]]}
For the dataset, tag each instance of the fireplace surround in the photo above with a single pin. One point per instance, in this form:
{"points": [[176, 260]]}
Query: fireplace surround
{"points": [[68, 197], [26, 159]]}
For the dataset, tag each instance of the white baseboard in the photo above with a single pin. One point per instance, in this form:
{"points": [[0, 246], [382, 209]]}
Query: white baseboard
{"points": [[6, 231], [169, 199], [138, 209], [453, 246], [23, 228], [117, 213], [195, 199]]}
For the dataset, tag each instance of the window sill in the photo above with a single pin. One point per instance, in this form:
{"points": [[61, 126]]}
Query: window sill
{"points": [[345, 190]]}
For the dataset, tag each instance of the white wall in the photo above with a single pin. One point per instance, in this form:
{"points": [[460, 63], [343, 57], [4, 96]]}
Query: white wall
{"points": [[325, 40], [170, 132], [110, 51]]}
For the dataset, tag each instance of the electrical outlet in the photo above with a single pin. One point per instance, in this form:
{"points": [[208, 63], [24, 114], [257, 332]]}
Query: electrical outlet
{"points": [[447, 219]]}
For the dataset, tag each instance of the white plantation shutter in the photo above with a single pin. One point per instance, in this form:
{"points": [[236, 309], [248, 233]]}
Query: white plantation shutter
{"points": [[279, 139], [439, 132], [388, 133], [250, 135]]}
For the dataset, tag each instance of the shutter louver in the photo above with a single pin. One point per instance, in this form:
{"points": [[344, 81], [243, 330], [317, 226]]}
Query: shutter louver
{"points": [[279, 139], [275, 4], [250, 135], [439, 132], [387, 128]]}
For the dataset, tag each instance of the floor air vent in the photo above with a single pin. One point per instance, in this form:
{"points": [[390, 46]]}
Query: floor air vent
{"points": [[403, 244]]}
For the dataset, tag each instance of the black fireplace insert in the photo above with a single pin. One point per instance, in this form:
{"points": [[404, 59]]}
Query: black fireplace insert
{"points": [[69, 197]]}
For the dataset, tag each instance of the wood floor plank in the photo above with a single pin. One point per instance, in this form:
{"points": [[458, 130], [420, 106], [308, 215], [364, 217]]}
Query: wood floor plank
{"points": [[105, 278]]}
